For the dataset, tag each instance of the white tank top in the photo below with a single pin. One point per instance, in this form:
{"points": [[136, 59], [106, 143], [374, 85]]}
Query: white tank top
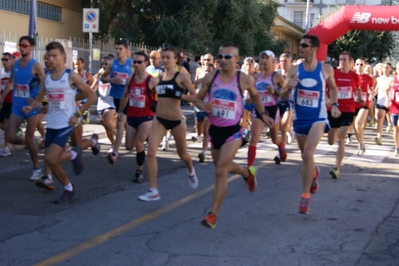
{"points": [[104, 100], [381, 83], [61, 97]]}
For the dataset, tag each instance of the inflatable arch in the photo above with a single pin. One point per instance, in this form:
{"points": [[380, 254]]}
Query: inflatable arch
{"points": [[384, 18]]}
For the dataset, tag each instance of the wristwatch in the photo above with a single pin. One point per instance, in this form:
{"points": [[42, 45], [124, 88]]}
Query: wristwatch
{"points": [[335, 104]]}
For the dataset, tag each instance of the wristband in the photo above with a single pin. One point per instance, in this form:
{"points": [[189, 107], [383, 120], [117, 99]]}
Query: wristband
{"points": [[266, 113], [78, 114]]}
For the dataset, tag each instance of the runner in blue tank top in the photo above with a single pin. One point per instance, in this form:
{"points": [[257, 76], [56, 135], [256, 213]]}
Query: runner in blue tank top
{"points": [[26, 78], [310, 114]]}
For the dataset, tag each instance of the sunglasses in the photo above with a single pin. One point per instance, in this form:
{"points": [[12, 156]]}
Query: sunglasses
{"points": [[225, 56], [24, 46], [4, 59], [137, 62], [304, 45], [104, 63], [359, 64]]}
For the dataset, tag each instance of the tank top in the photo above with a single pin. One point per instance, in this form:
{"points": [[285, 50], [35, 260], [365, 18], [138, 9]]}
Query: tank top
{"points": [[394, 107], [121, 72], [140, 98], [26, 85], [309, 98], [61, 96], [169, 88], [346, 87], [104, 100], [366, 82], [261, 85], [4, 77], [153, 71], [206, 99], [381, 93], [227, 100]]}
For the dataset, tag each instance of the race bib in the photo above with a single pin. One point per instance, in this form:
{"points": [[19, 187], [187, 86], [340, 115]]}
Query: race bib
{"points": [[161, 89], [397, 96], [266, 96], [56, 100], [345, 93], [308, 98], [364, 97], [3, 83], [103, 89], [136, 100], [122, 76], [21, 90], [224, 109]]}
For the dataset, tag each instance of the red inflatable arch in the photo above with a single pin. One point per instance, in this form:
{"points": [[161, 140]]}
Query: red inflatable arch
{"points": [[385, 18]]}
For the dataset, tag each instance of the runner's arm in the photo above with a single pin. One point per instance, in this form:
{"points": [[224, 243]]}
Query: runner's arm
{"points": [[125, 95], [186, 83], [107, 72], [328, 72], [289, 83], [39, 72], [85, 90], [199, 99], [256, 99]]}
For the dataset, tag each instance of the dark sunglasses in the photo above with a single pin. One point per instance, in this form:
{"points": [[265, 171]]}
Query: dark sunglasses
{"points": [[104, 63], [4, 59], [304, 45], [225, 56], [137, 62], [24, 46], [359, 64]]}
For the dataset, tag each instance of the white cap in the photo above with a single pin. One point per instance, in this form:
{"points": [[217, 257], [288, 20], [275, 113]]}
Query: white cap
{"points": [[268, 53]]}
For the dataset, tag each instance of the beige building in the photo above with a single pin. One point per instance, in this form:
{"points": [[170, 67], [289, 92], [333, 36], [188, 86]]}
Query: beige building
{"points": [[290, 32], [56, 19]]}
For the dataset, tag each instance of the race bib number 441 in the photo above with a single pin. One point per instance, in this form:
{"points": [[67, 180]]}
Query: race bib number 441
{"points": [[308, 98], [22, 90], [224, 109], [56, 100]]}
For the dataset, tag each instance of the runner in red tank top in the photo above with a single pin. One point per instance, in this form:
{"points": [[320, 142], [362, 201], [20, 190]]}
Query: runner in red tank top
{"points": [[394, 109], [139, 95]]}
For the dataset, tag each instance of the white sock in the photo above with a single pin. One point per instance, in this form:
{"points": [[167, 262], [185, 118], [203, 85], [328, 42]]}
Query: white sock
{"points": [[69, 187], [165, 138], [50, 177], [193, 173], [73, 155]]}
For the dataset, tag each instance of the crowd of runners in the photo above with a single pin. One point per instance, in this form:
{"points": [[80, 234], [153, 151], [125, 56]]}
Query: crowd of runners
{"points": [[139, 96]]}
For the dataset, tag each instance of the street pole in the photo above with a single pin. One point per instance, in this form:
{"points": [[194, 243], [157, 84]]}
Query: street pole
{"points": [[90, 50], [307, 16]]}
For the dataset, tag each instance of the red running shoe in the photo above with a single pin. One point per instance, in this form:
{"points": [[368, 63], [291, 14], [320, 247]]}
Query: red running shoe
{"points": [[304, 205], [283, 153], [209, 221], [251, 180], [315, 185]]}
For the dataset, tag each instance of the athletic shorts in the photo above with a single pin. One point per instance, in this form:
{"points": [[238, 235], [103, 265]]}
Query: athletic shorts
{"points": [[5, 111], [302, 127], [274, 112], [57, 136], [221, 135], [200, 116], [356, 111], [394, 118], [345, 119], [101, 112], [382, 107], [135, 122], [284, 106], [18, 111], [117, 103], [169, 124]]}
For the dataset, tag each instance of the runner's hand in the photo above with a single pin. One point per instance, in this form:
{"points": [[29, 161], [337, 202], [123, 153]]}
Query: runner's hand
{"points": [[26, 109], [120, 116], [44, 109], [207, 107], [73, 121], [268, 120], [293, 82], [270, 89], [335, 112], [115, 81]]}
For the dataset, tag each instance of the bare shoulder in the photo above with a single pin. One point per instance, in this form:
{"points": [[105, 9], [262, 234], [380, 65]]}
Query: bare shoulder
{"points": [[292, 71]]}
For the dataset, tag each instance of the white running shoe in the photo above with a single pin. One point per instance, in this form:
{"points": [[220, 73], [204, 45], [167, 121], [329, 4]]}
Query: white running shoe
{"points": [[395, 153], [165, 145], [289, 138], [193, 179], [151, 195], [5, 151], [36, 174]]}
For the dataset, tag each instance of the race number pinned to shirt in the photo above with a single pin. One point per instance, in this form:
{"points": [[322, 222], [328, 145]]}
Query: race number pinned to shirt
{"points": [[22, 90], [308, 98], [56, 100], [103, 89], [224, 109], [161, 89], [364, 97], [122, 76], [136, 99], [266, 96], [345, 93]]}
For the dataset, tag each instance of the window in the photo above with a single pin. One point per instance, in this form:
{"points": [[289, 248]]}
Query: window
{"points": [[298, 18], [23, 7], [311, 20]]}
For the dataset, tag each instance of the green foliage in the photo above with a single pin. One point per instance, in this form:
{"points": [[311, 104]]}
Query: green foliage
{"points": [[197, 25], [366, 44]]}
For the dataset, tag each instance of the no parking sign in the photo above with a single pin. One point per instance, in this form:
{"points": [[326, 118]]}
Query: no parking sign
{"points": [[91, 17]]}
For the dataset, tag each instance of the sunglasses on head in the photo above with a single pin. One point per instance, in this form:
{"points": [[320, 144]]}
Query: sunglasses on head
{"points": [[4, 59], [24, 46], [304, 45], [225, 56], [137, 62]]}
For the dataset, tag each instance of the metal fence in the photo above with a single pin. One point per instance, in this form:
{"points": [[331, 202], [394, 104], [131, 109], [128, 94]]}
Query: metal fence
{"points": [[80, 48]]}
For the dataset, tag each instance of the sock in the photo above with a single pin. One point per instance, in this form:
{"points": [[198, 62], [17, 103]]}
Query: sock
{"points": [[165, 138], [36, 169], [305, 195], [50, 177], [69, 187], [203, 152], [193, 173], [251, 155], [73, 155], [93, 142]]}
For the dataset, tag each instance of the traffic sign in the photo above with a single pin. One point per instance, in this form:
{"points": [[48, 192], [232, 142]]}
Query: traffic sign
{"points": [[91, 17]]}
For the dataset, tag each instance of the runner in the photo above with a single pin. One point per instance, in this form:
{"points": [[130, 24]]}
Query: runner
{"points": [[60, 85], [266, 84], [116, 74], [5, 111], [42, 113], [205, 60], [394, 110], [348, 84], [169, 116], [225, 88], [361, 112], [155, 64], [308, 81], [140, 95], [26, 77]]}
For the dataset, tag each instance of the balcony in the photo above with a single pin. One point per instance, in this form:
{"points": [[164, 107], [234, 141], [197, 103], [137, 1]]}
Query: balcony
{"points": [[296, 2]]}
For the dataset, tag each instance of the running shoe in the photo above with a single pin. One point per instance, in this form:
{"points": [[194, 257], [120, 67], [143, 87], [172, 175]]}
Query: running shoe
{"points": [[277, 159], [19, 132], [66, 197], [334, 173], [45, 182], [42, 145], [389, 129], [315, 185], [395, 153], [96, 149], [150, 195], [165, 145], [283, 153], [5, 151], [251, 179], [201, 157], [37, 142], [86, 117], [112, 157], [209, 221], [304, 205], [361, 149], [193, 179], [138, 177], [348, 140], [36, 174], [378, 140], [289, 138], [77, 163], [196, 138]]}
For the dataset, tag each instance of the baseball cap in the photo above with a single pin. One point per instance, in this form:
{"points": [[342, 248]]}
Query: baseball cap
{"points": [[16, 54], [268, 53]]}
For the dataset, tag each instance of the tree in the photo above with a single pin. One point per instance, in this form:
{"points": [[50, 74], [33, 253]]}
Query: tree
{"points": [[365, 44]]}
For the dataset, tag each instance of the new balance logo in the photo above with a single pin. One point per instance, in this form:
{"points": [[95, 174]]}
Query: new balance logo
{"points": [[361, 18]]}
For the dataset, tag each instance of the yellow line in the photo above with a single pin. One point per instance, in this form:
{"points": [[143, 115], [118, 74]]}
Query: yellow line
{"points": [[91, 243]]}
